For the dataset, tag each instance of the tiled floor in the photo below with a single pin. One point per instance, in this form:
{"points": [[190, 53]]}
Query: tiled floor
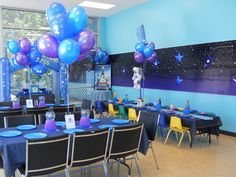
{"points": [[203, 160]]}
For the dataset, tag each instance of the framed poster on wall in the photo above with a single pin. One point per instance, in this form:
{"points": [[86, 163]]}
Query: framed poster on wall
{"points": [[102, 77]]}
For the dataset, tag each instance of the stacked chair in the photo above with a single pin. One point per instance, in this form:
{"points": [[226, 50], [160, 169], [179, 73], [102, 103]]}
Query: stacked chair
{"points": [[132, 115], [176, 126]]}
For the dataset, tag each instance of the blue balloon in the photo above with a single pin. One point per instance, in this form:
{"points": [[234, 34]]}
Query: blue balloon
{"points": [[148, 51], [15, 64], [13, 46], [53, 10], [105, 59], [139, 47], [97, 59], [39, 69], [34, 56], [78, 18], [62, 27], [69, 51]]}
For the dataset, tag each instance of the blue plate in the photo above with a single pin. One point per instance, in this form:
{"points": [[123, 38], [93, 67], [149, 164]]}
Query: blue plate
{"points": [[60, 123], [50, 104], [4, 107], [94, 121], [25, 127], [10, 133], [110, 126], [73, 130], [120, 121], [35, 135]]}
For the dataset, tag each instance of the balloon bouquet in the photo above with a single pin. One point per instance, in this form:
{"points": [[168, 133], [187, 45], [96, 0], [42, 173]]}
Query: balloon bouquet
{"points": [[101, 57], [144, 51], [26, 55], [69, 41]]}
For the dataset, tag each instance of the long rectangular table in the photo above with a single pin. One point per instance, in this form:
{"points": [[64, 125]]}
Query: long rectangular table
{"points": [[195, 122], [13, 150]]}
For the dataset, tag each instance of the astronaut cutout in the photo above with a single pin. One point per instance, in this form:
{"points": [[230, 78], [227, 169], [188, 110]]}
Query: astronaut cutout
{"points": [[137, 77]]}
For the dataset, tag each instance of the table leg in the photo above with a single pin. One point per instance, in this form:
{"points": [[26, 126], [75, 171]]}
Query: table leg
{"points": [[209, 135]]}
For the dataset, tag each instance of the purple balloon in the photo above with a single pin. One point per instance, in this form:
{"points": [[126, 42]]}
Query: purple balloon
{"points": [[139, 57], [86, 41], [152, 58], [48, 46], [24, 45], [82, 56], [21, 59], [151, 44]]}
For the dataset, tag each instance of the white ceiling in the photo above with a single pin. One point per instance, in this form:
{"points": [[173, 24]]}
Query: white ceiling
{"points": [[43, 4]]}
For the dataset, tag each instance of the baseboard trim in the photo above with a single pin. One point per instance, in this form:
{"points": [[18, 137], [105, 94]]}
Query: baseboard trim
{"points": [[228, 133]]}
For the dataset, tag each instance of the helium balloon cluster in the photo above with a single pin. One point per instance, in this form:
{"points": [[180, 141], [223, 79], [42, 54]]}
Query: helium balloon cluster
{"points": [[144, 51], [101, 57], [69, 39], [26, 54]]}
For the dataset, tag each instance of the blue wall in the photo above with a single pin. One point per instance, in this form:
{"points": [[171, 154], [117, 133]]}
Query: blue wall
{"points": [[170, 23]]}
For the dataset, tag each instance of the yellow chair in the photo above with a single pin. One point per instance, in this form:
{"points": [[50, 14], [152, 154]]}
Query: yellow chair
{"points": [[176, 126], [111, 110], [132, 115], [180, 108]]}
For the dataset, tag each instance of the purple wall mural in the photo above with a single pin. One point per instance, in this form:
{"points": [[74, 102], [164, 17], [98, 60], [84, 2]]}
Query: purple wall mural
{"points": [[206, 68]]}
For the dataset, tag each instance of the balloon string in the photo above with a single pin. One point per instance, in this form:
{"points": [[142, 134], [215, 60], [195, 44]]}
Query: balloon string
{"points": [[67, 95], [28, 81]]}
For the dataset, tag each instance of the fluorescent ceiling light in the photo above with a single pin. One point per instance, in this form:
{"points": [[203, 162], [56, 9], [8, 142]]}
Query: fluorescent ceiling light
{"points": [[96, 5]]}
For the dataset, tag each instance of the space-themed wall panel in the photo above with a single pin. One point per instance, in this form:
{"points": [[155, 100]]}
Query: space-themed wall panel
{"points": [[206, 68]]}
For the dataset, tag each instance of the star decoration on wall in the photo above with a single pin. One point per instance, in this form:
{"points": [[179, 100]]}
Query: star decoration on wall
{"points": [[178, 80], [179, 57]]}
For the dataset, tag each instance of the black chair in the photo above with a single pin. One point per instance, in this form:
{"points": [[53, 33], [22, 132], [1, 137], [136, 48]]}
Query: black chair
{"points": [[6, 103], [125, 142], [150, 119], [86, 104], [37, 111], [57, 109], [46, 156], [84, 153], [13, 121], [8, 113], [59, 117]]}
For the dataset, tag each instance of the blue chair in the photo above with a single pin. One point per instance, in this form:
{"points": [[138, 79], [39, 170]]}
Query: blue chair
{"points": [[99, 108], [163, 126]]}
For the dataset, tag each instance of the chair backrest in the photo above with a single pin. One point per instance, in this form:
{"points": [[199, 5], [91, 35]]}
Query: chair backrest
{"points": [[110, 108], [37, 110], [149, 119], [175, 123], [47, 155], [13, 121], [122, 110], [59, 117], [132, 114], [8, 113], [86, 104], [57, 109], [6, 103], [162, 122], [98, 105], [83, 151], [125, 141]]}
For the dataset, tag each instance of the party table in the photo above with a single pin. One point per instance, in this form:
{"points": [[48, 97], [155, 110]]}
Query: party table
{"points": [[207, 124], [13, 149]]}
